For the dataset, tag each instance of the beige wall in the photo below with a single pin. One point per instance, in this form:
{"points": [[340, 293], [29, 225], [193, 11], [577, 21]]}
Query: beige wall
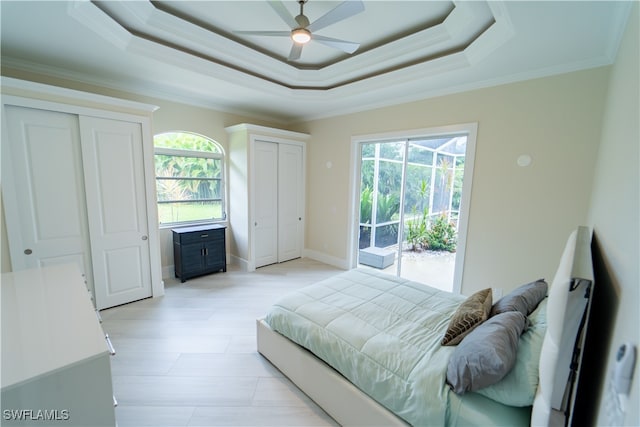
{"points": [[519, 217], [615, 206]]}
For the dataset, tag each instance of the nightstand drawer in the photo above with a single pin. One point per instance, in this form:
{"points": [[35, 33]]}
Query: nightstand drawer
{"points": [[200, 236]]}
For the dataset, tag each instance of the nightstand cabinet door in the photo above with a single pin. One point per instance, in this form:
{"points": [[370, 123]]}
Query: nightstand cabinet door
{"points": [[199, 250], [190, 260], [214, 258]]}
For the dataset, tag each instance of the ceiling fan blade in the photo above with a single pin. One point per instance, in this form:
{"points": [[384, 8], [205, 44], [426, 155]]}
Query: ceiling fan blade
{"points": [[283, 12], [342, 11], [296, 51], [343, 45], [265, 33]]}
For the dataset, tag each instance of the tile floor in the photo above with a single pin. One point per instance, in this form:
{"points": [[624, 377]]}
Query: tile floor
{"points": [[189, 358]]}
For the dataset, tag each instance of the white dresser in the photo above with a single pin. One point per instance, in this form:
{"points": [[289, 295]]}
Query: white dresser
{"points": [[55, 355]]}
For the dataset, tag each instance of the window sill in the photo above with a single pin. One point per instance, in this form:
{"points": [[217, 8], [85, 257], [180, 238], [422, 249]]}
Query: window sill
{"points": [[191, 224]]}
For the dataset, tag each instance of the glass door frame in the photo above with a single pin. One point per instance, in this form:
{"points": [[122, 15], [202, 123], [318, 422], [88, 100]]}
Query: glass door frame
{"points": [[468, 129]]}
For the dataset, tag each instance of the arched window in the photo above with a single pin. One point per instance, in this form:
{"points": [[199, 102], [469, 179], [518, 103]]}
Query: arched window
{"points": [[189, 179]]}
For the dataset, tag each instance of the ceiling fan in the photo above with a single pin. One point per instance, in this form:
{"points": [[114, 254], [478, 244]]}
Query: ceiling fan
{"points": [[303, 31]]}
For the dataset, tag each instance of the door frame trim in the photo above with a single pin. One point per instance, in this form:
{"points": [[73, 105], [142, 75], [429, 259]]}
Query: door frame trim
{"points": [[471, 130]]}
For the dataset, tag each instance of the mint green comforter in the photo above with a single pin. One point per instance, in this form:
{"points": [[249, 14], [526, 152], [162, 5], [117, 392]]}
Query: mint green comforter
{"points": [[382, 333]]}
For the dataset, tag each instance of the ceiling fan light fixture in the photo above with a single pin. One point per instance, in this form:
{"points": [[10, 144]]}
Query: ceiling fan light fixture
{"points": [[301, 35]]}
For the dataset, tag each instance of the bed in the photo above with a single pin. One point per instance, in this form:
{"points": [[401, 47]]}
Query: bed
{"points": [[368, 347]]}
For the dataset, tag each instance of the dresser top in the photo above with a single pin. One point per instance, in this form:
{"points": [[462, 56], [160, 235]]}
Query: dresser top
{"points": [[48, 322], [197, 228]]}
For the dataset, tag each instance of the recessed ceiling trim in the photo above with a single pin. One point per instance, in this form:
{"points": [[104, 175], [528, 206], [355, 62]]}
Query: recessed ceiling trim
{"points": [[99, 22], [344, 78], [167, 9], [433, 22], [385, 57]]}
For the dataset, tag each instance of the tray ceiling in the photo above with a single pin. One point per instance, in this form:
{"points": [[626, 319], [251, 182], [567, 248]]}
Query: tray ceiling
{"points": [[192, 51]]}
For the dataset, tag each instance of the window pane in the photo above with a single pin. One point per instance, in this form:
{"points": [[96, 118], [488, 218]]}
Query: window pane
{"points": [[389, 186], [418, 188], [444, 161], [368, 150], [365, 237], [442, 190], [185, 141], [420, 155], [187, 167], [367, 174], [433, 143], [189, 212], [189, 184], [457, 189], [171, 189], [392, 150], [386, 235], [366, 205]]}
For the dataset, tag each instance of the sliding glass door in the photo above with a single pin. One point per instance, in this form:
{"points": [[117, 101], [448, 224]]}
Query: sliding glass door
{"points": [[410, 199]]}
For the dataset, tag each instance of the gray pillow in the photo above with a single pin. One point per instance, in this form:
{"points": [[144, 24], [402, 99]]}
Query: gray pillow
{"points": [[472, 312], [524, 299], [487, 354]]}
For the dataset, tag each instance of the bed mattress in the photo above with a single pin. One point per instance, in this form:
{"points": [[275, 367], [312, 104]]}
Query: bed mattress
{"points": [[383, 334]]}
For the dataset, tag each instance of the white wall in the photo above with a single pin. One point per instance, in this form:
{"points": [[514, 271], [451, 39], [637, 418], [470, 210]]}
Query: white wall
{"points": [[615, 207], [519, 217]]}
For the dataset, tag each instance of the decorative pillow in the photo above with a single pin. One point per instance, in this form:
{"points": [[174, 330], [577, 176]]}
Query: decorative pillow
{"points": [[471, 313], [518, 387], [487, 354], [524, 299]]}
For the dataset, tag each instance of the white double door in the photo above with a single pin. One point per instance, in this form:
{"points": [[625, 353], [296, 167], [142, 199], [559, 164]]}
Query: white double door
{"points": [[279, 202], [78, 187]]}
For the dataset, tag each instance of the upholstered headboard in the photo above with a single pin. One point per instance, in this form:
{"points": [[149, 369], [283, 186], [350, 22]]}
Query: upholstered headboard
{"points": [[567, 306]]}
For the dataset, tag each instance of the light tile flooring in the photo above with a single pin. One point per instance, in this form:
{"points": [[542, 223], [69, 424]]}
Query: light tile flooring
{"points": [[189, 358]]}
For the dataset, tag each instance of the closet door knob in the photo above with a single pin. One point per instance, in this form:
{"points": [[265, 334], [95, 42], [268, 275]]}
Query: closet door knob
{"points": [[28, 251], [144, 237]]}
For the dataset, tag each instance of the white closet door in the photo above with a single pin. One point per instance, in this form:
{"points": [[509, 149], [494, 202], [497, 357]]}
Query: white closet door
{"points": [[116, 204], [290, 202], [266, 203], [42, 170]]}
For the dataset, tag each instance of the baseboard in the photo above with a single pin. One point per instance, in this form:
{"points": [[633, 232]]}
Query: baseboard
{"points": [[327, 259], [168, 271], [240, 262]]}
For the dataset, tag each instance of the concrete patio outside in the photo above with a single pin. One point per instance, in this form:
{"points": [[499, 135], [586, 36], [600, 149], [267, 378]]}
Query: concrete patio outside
{"points": [[433, 268]]}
